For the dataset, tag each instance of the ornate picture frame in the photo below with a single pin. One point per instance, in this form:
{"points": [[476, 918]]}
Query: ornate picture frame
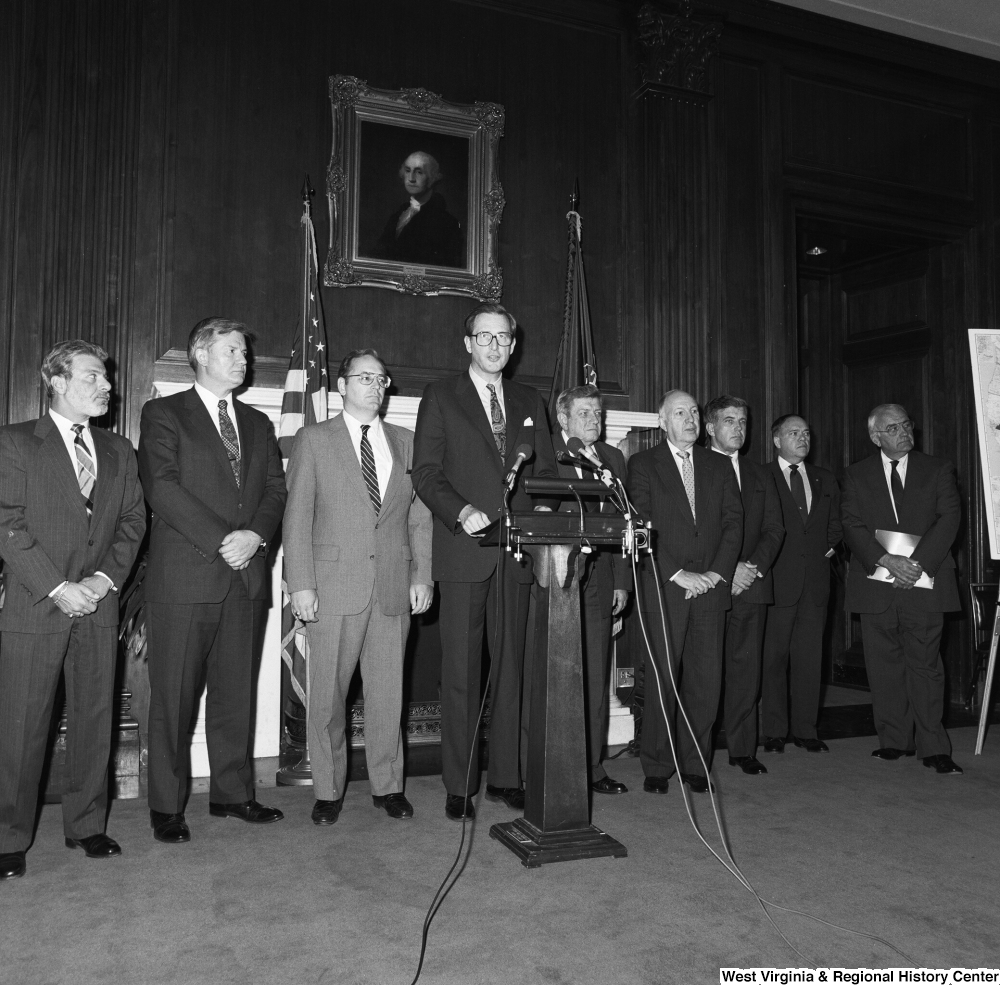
{"points": [[438, 236]]}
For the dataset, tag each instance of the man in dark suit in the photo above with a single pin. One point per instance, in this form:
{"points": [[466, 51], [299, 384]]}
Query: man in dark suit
{"points": [[357, 563], [901, 489], [212, 476], [469, 428], [692, 498], [751, 589], [607, 578], [793, 639], [71, 519]]}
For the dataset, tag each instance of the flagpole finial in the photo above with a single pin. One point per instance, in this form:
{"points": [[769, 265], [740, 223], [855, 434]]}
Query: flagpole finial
{"points": [[574, 199], [307, 193]]}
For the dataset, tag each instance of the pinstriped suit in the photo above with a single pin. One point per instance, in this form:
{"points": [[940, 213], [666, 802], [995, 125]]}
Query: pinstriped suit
{"points": [[45, 539], [361, 565]]}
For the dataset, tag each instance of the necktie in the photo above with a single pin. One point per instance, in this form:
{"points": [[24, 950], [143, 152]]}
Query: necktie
{"points": [[85, 474], [497, 422], [897, 489], [229, 439], [687, 473], [368, 469], [798, 492]]}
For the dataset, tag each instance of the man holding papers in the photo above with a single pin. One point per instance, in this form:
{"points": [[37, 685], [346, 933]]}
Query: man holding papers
{"points": [[904, 501]]}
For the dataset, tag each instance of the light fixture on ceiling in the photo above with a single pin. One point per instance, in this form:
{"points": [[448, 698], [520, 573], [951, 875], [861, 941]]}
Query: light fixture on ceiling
{"points": [[816, 251]]}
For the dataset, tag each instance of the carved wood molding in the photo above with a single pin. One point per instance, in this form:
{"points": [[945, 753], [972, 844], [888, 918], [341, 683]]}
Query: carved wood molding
{"points": [[676, 49]]}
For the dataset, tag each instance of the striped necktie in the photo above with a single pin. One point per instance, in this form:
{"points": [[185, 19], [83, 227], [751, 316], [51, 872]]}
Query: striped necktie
{"points": [[86, 474], [368, 469]]}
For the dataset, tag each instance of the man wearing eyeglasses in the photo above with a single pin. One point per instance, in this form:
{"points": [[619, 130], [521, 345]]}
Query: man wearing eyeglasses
{"points": [[901, 489], [357, 563], [468, 431]]}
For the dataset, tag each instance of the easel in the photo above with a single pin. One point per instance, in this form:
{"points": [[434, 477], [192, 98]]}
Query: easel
{"points": [[984, 712]]}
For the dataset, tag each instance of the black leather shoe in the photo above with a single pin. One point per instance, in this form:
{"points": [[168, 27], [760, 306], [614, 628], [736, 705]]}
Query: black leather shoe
{"points": [[395, 805], [96, 846], [773, 745], [888, 753], [655, 784], [249, 811], [697, 782], [811, 745], [749, 764], [171, 829], [513, 797], [943, 764], [458, 808], [12, 865], [327, 811], [606, 785]]}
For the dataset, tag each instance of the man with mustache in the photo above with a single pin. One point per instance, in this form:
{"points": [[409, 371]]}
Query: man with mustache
{"points": [[793, 637], [212, 476], [71, 519], [901, 489], [692, 498]]}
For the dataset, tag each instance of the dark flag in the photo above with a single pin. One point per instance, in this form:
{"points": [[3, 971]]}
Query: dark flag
{"points": [[575, 363]]}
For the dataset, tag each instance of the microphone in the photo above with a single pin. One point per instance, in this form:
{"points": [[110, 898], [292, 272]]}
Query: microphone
{"points": [[524, 452], [580, 461]]}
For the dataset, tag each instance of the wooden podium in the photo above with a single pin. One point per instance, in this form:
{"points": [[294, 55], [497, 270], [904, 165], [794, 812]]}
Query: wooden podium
{"points": [[556, 824]]}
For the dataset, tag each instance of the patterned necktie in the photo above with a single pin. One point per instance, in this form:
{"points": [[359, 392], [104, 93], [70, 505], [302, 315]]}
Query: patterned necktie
{"points": [[798, 491], [497, 422], [368, 469], [687, 472], [229, 439], [85, 474], [897, 489]]}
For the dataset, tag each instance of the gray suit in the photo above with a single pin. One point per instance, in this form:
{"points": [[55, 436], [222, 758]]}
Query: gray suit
{"points": [[361, 565]]}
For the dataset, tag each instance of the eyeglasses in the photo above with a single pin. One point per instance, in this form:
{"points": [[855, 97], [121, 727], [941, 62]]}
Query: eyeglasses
{"points": [[485, 338], [367, 379], [894, 429]]}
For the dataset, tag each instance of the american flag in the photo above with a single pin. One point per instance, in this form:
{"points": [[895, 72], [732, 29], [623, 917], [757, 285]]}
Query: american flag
{"points": [[303, 402]]}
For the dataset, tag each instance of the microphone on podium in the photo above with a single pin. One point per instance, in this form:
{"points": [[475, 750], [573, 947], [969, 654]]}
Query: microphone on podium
{"points": [[524, 452], [577, 458]]}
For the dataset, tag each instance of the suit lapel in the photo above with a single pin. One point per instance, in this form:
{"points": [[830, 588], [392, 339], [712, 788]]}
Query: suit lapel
{"points": [[202, 419], [107, 470], [56, 460], [671, 478], [468, 398], [817, 494], [342, 450], [245, 429], [398, 462]]}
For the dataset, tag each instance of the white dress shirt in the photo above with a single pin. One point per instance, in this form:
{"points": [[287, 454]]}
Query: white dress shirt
{"points": [[901, 472], [806, 484], [734, 457], [211, 402], [380, 448], [484, 394]]}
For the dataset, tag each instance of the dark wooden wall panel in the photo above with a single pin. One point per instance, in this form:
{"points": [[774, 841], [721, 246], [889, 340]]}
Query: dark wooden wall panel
{"points": [[868, 135]]}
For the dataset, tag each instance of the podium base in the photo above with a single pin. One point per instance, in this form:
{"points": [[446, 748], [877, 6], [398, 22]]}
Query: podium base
{"points": [[535, 847]]}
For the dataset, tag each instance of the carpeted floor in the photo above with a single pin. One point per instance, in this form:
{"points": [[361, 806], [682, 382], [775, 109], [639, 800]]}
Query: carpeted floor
{"points": [[886, 848]]}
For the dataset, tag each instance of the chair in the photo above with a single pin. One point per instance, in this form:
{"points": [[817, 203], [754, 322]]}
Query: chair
{"points": [[983, 602]]}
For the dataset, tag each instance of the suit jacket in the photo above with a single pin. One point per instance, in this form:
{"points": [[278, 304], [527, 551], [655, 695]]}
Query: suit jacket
{"points": [[432, 236], [45, 535], [713, 544], [802, 570], [195, 499], [931, 507], [763, 528], [607, 568], [333, 541], [456, 462]]}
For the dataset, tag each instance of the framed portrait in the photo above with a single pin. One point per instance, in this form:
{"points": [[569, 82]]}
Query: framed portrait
{"points": [[413, 190]]}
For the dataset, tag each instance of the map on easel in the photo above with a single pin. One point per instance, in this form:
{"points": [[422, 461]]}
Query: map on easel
{"points": [[984, 349]]}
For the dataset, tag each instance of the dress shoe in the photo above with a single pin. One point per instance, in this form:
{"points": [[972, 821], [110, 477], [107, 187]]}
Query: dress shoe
{"points": [[697, 782], [773, 745], [96, 846], [395, 805], [811, 745], [943, 764], [513, 797], [888, 753], [171, 829], [655, 784], [749, 764], [327, 811], [606, 785], [249, 811], [458, 808], [12, 865]]}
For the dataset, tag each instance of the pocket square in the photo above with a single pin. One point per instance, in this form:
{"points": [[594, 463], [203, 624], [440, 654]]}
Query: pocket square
{"points": [[528, 422]]}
